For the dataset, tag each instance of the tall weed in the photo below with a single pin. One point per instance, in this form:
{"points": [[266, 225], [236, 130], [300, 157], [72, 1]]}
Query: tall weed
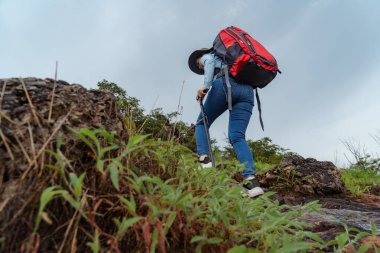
{"points": [[152, 196]]}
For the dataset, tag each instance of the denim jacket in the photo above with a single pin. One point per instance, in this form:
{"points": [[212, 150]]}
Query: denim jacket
{"points": [[210, 62]]}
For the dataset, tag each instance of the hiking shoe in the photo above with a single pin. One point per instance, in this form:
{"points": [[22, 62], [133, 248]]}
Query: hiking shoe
{"points": [[205, 161], [252, 188]]}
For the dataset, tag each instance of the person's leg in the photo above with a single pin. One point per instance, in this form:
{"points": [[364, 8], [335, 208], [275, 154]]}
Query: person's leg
{"points": [[239, 119], [214, 106], [240, 116]]}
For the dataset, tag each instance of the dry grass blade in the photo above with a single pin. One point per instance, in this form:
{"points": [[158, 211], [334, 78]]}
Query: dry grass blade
{"points": [[161, 238], [143, 124], [147, 235], [45, 144], [3, 204], [76, 217], [53, 92], [2, 92], [73, 247], [2, 95], [6, 145], [42, 164], [32, 141], [68, 230], [32, 245], [30, 103], [20, 211], [22, 149], [179, 111], [2, 114]]}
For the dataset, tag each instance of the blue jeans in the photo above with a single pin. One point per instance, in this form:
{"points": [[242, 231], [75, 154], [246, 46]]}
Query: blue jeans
{"points": [[242, 104]]}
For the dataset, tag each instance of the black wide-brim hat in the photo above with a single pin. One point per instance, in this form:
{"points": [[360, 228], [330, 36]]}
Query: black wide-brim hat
{"points": [[193, 60]]}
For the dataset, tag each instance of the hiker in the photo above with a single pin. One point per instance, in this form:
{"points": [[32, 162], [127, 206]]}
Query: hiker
{"points": [[205, 62]]}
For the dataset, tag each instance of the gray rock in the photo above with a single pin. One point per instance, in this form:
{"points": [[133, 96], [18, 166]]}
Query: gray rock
{"points": [[327, 222], [304, 177]]}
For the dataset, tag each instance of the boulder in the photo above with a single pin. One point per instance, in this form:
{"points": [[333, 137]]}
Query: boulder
{"points": [[26, 104], [33, 112], [300, 176]]}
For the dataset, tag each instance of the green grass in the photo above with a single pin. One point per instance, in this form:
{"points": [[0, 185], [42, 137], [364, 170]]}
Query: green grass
{"points": [[149, 195], [261, 167], [359, 180]]}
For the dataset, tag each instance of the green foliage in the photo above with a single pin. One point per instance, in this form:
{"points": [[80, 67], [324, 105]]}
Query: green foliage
{"points": [[91, 139], [363, 174], [169, 203], [358, 180], [125, 224], [362, 159], [95, 244], [369, 162], [266, 152], [351, 236], [156, 123], [261, 167], [150, 194], [129, 106], [47, 195]]}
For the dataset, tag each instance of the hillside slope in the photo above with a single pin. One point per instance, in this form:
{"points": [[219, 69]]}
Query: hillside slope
{"points": [[74, 179]]}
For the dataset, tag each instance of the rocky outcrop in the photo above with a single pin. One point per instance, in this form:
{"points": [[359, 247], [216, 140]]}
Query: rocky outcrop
{"points": [[326, 220], [33, 112], [302, 180], [299, 176]]}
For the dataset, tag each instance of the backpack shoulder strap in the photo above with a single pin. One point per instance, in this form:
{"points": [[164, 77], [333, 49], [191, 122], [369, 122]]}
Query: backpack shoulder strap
{"points": [[229, 92], [229, 96]]}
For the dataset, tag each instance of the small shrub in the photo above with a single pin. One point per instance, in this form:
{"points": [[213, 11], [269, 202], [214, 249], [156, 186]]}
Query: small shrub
{"points": [[359, 180]]}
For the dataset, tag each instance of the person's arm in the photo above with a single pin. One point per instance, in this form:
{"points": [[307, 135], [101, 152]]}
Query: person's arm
{"points": [[201, 93], [208, 63], [208, 66]]}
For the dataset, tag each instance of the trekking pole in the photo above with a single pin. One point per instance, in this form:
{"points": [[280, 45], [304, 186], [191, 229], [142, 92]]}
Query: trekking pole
{"points": [[204, 118]]}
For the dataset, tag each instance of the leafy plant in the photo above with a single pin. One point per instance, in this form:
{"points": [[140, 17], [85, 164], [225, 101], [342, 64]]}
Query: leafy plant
{"points": [[359, 181], [169, 203], [150, 194], [266, 152]]}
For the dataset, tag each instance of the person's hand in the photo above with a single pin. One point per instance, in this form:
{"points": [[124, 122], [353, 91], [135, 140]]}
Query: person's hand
{"points": [[201, 93]]}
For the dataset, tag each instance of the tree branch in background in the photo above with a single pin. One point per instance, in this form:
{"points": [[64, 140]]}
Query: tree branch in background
{"points": [[362, 159]]}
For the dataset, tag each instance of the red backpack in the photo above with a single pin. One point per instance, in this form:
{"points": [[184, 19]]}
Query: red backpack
{"points": [[248, 61]]}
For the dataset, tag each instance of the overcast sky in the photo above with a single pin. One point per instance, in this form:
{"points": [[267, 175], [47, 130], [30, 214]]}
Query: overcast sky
{"points": [[328, 52]]}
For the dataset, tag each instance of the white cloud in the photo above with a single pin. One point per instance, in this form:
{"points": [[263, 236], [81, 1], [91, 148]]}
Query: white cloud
{"points": [[328, 52]]}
